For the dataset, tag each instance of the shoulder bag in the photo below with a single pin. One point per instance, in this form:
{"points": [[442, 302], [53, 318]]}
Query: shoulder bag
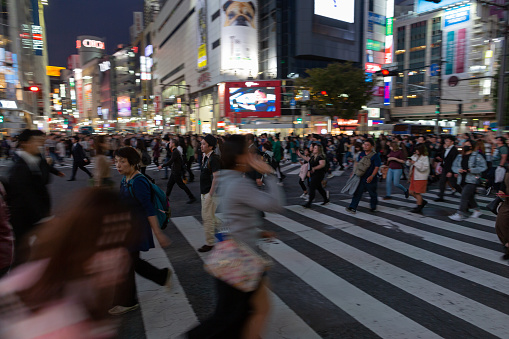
{"points": [[363, 165]]}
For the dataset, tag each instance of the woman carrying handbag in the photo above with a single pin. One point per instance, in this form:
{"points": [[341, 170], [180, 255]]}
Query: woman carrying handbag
{"points": [[241, 311]]}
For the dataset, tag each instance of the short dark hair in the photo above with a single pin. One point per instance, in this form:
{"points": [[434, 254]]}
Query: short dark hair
{"points": [[370, 141], [503, 139], [26, 135], [129, 153], [450, 137], [267, 145]]}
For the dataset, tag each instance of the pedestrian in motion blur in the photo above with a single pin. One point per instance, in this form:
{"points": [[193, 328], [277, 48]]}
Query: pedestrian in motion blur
{"points": [[27, 193], [502, 224], [447, 157], [241, 314], [79, 159], [77, 262], [419, 173], [6, 236], [317, 170], [396, 160], [468, 167]]}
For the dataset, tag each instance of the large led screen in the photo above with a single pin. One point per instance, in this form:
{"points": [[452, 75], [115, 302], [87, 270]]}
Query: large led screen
{"points": [[253, 99], [342, 10], [426, 6]]}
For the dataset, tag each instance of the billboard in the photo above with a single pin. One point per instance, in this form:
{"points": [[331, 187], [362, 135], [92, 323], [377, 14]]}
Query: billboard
{"points": [[260, 99], [124, 106], [90, 47], [456, 28], [426, 6], [239, 38], [342, 10], [201, 8]]}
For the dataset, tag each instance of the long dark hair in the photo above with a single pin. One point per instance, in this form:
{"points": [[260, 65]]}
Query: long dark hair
{"points": [[233, 147]]}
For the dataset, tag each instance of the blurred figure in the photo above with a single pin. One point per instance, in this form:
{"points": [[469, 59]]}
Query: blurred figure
{"points": [[317, 163], [242, 314], [6, 236], [502, 223], [102, 169], [447, 156], [419, 173], [27, 195], [77, 262], [79, 159]]}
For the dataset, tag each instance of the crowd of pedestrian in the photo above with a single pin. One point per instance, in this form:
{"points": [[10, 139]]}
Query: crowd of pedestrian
{"points": [[81, 265]]}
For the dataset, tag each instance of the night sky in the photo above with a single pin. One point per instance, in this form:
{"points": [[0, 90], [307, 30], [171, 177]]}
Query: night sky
{"points": [[68, 19]]}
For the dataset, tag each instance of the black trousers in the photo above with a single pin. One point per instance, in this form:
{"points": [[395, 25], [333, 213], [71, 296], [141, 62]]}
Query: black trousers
{"points": [[443, 181], [302, 185], [126, 293], [81, 166], [177, 179], [188, 169], [315, 183], [228, 320]]}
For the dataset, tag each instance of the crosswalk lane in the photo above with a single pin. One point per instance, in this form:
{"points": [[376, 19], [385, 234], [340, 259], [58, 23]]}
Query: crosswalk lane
{"points": [[376, 272]]}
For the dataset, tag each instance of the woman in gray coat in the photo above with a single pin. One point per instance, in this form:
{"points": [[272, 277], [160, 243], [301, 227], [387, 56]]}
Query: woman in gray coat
{"points": [[468, 167], [242, 314]]}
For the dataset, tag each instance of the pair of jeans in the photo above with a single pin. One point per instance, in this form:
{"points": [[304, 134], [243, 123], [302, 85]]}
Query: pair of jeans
{"points": [[468, 199], [365, 186], [166, 167], [393, 177]]}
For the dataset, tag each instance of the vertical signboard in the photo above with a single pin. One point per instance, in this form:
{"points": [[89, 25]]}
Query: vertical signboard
{"points": [[239, 37], [389, 40], [79, 90], [456, 27], [202, 36], [138, 23], [36, 31]]}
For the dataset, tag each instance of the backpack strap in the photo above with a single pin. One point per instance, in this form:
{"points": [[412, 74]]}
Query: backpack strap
{"points": [[130, 186]]}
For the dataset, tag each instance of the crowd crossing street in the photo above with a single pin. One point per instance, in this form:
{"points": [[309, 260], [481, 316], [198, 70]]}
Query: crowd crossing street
{"points": [[387, 274]]}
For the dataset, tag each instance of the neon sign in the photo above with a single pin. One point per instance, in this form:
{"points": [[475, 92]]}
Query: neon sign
{"points": [[90, 44]]}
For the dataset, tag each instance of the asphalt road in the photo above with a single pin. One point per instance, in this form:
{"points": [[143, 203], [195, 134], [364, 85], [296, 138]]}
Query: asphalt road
{"points": [[389, 274]]}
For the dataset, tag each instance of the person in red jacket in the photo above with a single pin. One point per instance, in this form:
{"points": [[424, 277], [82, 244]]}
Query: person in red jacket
{"points": [[6, 236]]}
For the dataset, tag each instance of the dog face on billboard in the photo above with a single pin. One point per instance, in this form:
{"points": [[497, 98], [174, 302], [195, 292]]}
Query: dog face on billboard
{"points": [[239, 13]]}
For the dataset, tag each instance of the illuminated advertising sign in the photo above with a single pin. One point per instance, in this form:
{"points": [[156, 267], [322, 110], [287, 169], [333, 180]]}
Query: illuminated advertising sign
{"points": [[201, 8], [426, 6], [387, 91], [388, 48], [53, 71], [260, 99], [239, 38], [342, 10], [149, 50], [124, 106], [376, 19], [89, 44], [456, 15], [138, 23], [372, 68], [37, 43], [389, 27], [79, 90], [374, 45]]}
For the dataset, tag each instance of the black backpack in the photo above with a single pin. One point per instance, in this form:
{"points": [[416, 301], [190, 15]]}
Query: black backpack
{"points": [[270, 160], [145, 158]]}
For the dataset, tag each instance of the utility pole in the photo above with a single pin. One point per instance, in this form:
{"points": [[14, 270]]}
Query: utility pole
{"points": [[502, 84]]}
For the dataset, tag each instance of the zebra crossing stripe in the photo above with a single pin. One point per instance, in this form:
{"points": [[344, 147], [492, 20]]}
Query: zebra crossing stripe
{"points": [[445, 204], [476, 313], [465, 271], [477, 196], [158, 305], [283, 321], [481, 202], [454, 244], [400, 203]]}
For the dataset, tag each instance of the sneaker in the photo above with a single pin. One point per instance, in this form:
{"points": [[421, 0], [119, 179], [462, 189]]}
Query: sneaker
{"points": [[327, 194], [325, 202], [456, 217], [191, 200], [205, 248], [476, 214], [351, 210], [407, 194], [372, 210], [307, 205], [280, 184], [119, 310], [304, 195], [330, 176]]}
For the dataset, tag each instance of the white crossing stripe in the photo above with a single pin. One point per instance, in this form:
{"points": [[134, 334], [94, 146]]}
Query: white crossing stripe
{"points": [[477, 196], [445, 204], [464, 308], [445, 264], [479, 221], [166, 314], [283, 322], [427, 236]]}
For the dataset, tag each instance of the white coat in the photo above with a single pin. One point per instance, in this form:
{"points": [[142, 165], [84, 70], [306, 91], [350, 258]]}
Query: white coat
{"points": [[421, 167]]}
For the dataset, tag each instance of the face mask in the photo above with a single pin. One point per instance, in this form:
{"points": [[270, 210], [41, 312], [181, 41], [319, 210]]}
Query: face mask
{"points": [[467, 148]]}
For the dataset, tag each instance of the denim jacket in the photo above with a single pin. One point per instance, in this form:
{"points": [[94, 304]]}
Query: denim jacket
{"points": [[476, 165]]}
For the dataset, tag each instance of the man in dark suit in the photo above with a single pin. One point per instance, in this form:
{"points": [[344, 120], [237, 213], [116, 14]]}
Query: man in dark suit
{"points": [[27, 196], [448, 154], [79, 159]]}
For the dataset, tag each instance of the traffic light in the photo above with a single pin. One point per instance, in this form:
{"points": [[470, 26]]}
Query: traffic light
{"points": [[460, 109], [32, 88], [323, 92], [386, 73], [437, 109], [1, 119], [199, 122]]}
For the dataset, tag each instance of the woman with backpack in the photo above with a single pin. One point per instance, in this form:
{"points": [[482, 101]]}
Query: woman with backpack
{"points": [[137, 190], [317, 170]]}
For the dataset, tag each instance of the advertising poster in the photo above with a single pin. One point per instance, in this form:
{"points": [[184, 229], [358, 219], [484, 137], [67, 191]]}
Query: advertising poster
{"points": [[456, 31], [124, 106], [261, 99], [201, 8], [239, 38]]}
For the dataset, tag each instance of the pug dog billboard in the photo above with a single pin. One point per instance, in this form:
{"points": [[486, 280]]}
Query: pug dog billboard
{"points": [[239, 43]]}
